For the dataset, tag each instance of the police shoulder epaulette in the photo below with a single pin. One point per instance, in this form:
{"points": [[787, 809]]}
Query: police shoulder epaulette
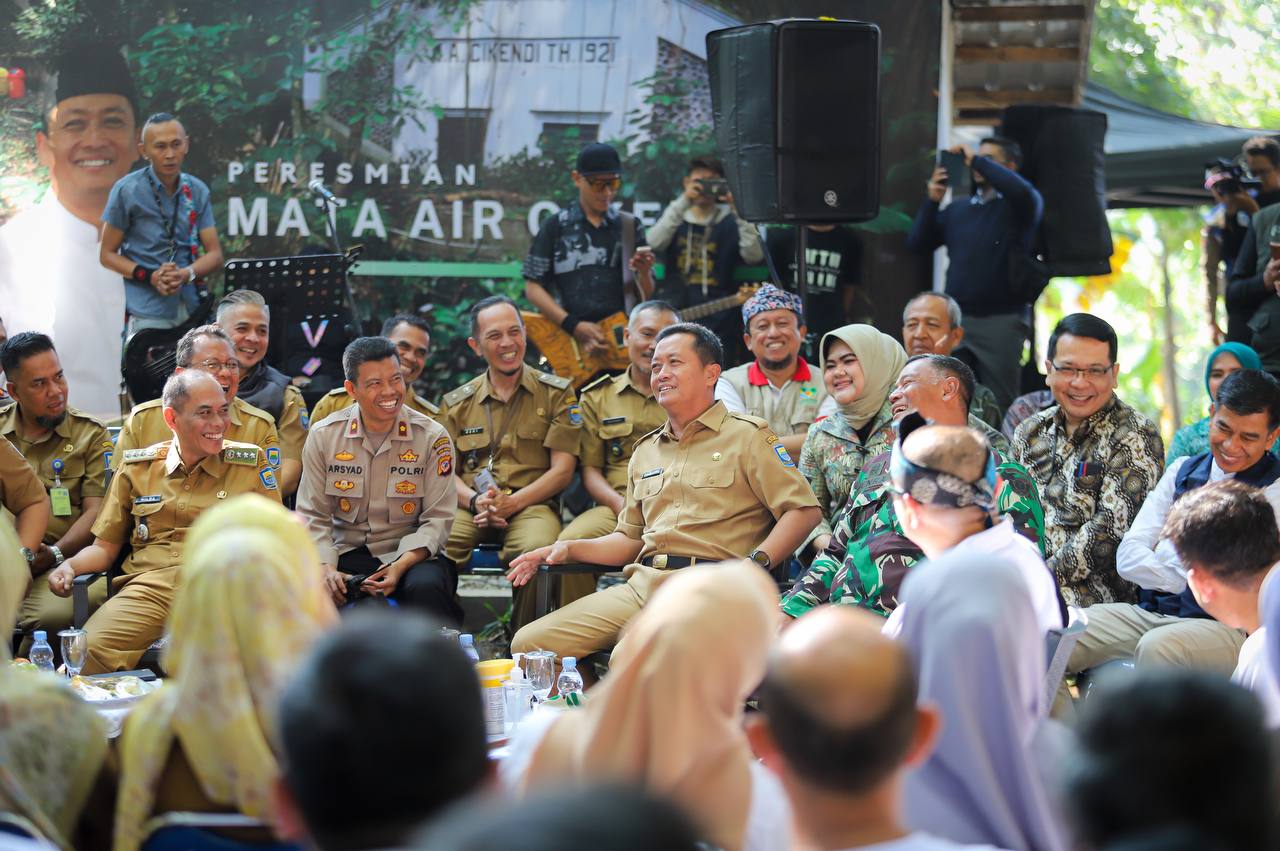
{"points": [[245, 454], [554, 380], [593, 384], [455, 396]]}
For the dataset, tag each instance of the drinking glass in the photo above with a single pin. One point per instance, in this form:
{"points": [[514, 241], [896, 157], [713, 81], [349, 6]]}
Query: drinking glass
{"points": [[75, 647], [540, 670]]}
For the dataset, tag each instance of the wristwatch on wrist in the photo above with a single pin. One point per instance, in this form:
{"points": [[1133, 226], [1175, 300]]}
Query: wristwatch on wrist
{"points": [[761, 558], [27, 554], [58, 558], [191, 274]]}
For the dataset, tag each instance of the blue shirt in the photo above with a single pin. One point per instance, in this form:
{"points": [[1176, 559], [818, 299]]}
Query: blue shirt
{"points": [[132, 207], [979, 235]]}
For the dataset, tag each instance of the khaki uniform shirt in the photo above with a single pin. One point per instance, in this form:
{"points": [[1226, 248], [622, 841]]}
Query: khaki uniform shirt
{"points": [[792, 412], [391, 498], [82, 445], [714, 494], [339, 398], [544, 415], [293, 425], [19, 487], [146, 427], [154, 500], [615, 415]]}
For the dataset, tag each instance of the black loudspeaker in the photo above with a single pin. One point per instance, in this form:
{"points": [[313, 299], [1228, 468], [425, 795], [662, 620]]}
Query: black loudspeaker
{"points": [[1062, 151], [796, 105]]}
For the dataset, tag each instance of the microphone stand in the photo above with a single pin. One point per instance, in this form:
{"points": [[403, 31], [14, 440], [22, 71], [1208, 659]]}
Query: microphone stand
{"points": [[355, 326]]}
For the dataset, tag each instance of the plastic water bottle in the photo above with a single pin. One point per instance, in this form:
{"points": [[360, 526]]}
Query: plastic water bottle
{"points": [[518, 693], [569, 683], [41, 652], [469, 647]]}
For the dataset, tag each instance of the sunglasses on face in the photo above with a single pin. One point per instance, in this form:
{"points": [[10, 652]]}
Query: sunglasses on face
{"points": [[601, 184]]}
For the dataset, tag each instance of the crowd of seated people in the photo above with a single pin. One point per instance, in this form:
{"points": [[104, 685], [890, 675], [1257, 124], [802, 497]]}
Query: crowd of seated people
{"points": [[840, 592]]}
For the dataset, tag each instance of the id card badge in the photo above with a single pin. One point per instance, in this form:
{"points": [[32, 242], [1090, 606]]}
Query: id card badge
{"points": [[61, 499], [485, 480]]}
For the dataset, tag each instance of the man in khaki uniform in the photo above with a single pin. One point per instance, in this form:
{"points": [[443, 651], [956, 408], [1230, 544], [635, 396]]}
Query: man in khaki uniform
{"points": [[778, 386], [616, 412], [244, 315], [708, 486], [22, 495], [68, 451], [153, 501], [411, 336], [208, 349], [516, 430], [377, 489]]}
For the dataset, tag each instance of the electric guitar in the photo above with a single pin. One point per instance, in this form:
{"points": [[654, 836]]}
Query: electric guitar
{"points": [[570, 360]]}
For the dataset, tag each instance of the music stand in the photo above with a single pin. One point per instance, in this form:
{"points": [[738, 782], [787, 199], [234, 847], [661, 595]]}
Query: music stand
{"points": [[311, 313]]}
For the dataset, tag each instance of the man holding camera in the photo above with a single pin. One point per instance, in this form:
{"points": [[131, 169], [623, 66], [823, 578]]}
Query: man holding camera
{"points": [[702, 242], [377, 490], [1253, 313]]}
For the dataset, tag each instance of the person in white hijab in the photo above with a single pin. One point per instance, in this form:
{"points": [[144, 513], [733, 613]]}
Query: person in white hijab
{"points": [[971, 627]]}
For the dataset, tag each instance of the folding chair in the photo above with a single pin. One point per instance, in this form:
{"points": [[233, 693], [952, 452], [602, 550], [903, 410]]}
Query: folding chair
{"points": [[1058, 646]]}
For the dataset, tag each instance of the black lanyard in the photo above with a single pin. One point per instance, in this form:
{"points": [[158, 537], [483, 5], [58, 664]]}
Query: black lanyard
{"points": [[495, 437], [171, 227]]}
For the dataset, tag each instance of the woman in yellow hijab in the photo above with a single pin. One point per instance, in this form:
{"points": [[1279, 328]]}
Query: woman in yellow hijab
{"points": [[669, 715], [250, 601], [52, 745]]}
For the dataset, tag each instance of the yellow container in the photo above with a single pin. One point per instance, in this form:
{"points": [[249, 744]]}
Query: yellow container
{"points": [[492, 672]]}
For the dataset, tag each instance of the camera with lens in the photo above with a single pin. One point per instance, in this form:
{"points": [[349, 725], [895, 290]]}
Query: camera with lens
{"points": [[716, 187], [1227, 177], [357, 595]]}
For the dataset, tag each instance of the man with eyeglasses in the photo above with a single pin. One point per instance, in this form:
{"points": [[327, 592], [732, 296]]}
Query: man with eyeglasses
{"points": [[208, 349], [588, 254], [1094, 458], [1251, 294]]}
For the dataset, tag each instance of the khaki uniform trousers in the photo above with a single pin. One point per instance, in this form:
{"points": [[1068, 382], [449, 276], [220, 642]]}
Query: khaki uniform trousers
{"points": [[1121, 630], [130, 621], [593, 623], [536, 526], [43, 609], [595, 522]]}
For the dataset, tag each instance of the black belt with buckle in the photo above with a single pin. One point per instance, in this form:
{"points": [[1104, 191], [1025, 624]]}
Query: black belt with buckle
{"points": [[662, 561]]}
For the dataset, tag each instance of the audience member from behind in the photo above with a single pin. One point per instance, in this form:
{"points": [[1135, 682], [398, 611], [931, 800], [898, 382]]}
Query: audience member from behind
{"points": [[1094, 459], [1172, 750], [931, 326], [842, 745], [944, 494], [971, 627], [382, 729], [251, 602], [671, 719], [1226, 535], [1225, 359], [859, 368], [609, 818], [52, 744]]}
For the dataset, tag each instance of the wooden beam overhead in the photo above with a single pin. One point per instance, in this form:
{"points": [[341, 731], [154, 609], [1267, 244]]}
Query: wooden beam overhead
{"points": [[1020, 12], [983, 99], [985, 53]]}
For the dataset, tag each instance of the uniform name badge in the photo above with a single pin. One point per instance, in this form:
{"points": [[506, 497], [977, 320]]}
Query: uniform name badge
{"points": [[58, 495]]}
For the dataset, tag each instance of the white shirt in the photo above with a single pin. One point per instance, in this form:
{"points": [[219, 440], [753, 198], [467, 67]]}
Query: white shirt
{"points": [[920, 841], [1146, 559], [727, 393], [1253, 672], [51, 282], [1004, 541]]}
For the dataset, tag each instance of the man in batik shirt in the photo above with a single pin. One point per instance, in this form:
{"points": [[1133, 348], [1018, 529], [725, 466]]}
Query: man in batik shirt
{"points": [[1093, 457], [869, 555]]}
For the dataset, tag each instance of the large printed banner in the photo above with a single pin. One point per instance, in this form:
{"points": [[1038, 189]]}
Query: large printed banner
{"points": [[447, 128]]}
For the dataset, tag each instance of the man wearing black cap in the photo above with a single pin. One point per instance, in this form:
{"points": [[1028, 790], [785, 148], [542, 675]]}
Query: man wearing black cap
{"points": [[50, 280], [588, 254]]}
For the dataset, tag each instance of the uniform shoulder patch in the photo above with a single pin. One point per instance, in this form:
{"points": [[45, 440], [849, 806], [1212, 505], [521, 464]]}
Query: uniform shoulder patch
{"points": [[455, 396], [593, 384], [758, 422], [268, 478], [554, 380], [151, 453], [426, 406], [245, 454], [783, 455], [256, 412], [337, 391], [76, 413]]}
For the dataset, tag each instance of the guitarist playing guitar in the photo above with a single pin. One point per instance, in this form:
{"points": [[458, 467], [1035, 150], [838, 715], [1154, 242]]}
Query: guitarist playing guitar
{"points": [[156, 222], [593, 256]]}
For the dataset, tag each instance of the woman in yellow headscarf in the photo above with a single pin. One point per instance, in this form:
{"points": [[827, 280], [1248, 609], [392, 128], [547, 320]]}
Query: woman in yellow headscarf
{"points": [[250, 601], [52, 745], [669, 715]]}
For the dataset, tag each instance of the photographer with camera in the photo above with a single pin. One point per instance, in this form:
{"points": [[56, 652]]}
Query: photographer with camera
{"points": [[701, 242], [1256, 273]]}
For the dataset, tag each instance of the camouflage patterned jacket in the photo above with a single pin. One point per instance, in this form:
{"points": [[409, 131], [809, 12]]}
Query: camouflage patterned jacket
{"points": [[869, 555]]}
